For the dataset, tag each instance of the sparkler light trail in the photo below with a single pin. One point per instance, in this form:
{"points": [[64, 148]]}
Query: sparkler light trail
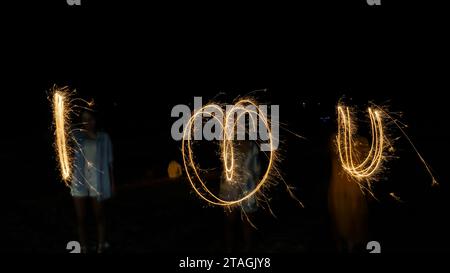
{"points": [[368, 167], [61, 110], [63, 106], [419, 155], [228, 151]]}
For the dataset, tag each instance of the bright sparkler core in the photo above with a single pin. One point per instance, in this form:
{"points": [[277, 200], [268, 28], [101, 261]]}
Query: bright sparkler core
{"points": [[370, 165], [227, 150], [60, 112]]}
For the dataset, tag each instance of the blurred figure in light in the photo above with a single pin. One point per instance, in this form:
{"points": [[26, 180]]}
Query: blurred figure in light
{"points": [[347, 204], [174, 170], [246, 175], [93, 178]]}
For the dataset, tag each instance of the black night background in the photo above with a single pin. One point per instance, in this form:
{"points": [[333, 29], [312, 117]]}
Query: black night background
{"points": [[138, 61]]}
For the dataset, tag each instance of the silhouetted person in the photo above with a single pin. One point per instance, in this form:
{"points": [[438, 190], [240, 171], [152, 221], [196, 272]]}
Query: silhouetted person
{"points": [[347, 203], [92, 179], [246, 175]]}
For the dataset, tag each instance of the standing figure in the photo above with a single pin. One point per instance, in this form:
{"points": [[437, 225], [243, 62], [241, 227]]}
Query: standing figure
{"points": [[347, 203], [246, 174], [93, 178]]}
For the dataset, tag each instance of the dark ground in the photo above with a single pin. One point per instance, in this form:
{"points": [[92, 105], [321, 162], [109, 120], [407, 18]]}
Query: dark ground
{"points": [[164, 216], [137, 63]]}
